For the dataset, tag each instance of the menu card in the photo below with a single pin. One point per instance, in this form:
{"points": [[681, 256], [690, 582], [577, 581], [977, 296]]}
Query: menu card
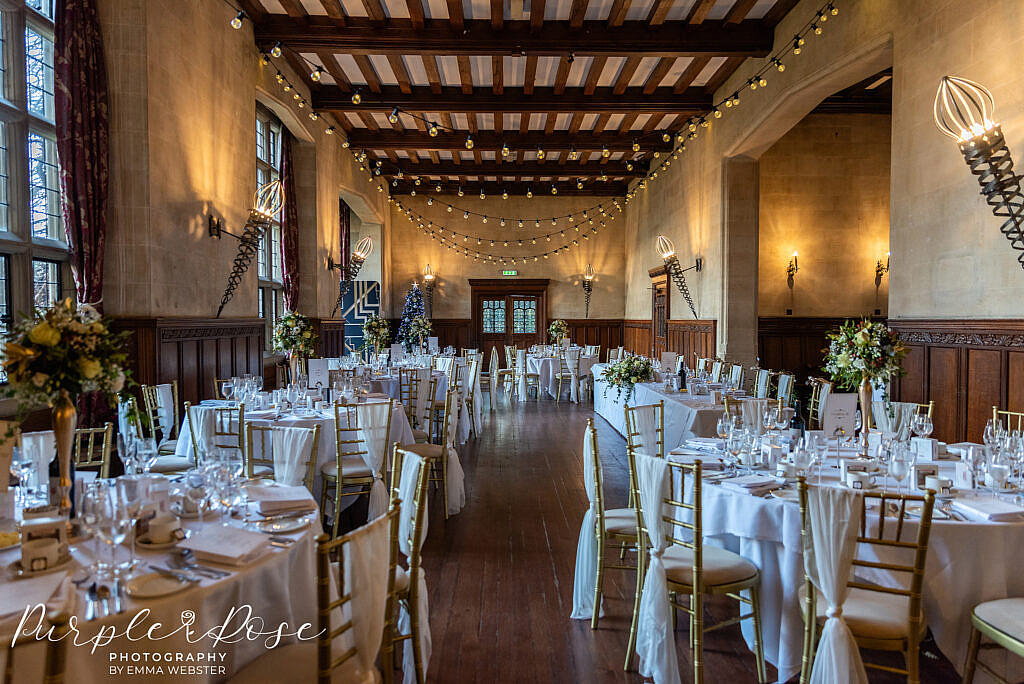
{"points": [[227, 545], [840, 414], [318, 375]]}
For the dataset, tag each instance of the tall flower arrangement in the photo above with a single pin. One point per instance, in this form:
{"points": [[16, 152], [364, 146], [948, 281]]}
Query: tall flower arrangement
{"points": [[557, 329], [624, 374], [295, 335], [412, 310], [376, 333], [53, 357]]}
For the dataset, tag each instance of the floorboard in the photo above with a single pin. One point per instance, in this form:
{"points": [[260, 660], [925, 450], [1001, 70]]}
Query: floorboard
{"points": [[500, 573]]}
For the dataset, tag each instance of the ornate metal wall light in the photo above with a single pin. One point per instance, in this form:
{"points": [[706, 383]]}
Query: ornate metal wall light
{"points": [[880, 270], [588, 288], [349, 272], [965, 111], [428, 288], [792, 268], [668, 253], [266, 203]]}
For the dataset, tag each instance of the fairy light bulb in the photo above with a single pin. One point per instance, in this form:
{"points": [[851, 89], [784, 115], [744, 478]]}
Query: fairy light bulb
{"points": [[432, 130], [529, 193], [317, 73], [605, 152], [469, 142], [393, 116], [276, 50], [356, 98], [636, 146], [236, 23]]}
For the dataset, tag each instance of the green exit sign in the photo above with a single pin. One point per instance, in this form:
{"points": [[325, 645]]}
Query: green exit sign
{"points": [[510, 273]]}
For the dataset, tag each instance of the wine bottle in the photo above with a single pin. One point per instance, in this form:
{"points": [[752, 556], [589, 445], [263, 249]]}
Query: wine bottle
{"points": [[682, 375], [796, 423]]}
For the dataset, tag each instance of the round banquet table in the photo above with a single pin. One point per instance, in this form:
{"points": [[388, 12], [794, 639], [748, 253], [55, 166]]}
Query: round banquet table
{"points": [[280, 587], [546, 367], [968, 562]]}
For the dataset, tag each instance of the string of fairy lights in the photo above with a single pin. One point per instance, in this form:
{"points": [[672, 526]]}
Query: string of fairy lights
{"points": [[578, 228]]}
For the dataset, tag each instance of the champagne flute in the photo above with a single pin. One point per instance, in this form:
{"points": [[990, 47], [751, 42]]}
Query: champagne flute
{"points": [[136, 491]]}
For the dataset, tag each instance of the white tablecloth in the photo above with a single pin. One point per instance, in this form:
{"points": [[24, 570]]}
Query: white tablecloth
{"points": [[547, 368], [968, 563], [685, 417], [279, 587]]}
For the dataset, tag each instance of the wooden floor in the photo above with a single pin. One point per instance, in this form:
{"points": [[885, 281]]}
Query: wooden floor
{"points": [[500, 574]]}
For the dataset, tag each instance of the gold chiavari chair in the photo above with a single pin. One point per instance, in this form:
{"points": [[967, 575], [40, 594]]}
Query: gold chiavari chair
{"points": [[762, 383], [717, 368], [406, 584], [466, 353], [734, 407], [349, 475], [91, 449], [259, 457], [489, 380], [322, 661], [55, 663], [736, 375], [471, 398], [592, 350], [567, 374], [504, 375], [228, 431], [881, 618], [426, 415], [158, 416], [1014, 419], [218, 383], [702, 365], [785, 388], [1000, 621], [641, 419], [408, 384], [927, 409], [614, 354], [528, 379], [616, 525], [694, 570], [435, 455]]}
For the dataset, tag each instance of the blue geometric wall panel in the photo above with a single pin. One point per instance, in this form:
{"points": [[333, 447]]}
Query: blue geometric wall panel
{"points": [[359, 303]]}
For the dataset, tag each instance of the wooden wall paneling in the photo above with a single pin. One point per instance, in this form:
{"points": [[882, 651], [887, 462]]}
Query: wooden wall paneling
{"points": [[944, 385], [984, 370], [606, 332], [636, 336], [794, 344], [332, 338], [688, 338], [1015, 380]]}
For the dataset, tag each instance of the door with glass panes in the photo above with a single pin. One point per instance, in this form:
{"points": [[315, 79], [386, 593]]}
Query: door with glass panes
{"points": [[508, 313]]}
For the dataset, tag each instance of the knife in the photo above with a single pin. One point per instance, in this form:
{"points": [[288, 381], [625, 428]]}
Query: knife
{"points": [[90, 608], [180, 576]]}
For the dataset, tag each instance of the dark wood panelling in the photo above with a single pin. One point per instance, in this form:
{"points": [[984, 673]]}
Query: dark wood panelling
{"points": [[606, 332], [636, 336], [793, 344], [682, 337], [966, 367], [193, 351], [332, 338]]}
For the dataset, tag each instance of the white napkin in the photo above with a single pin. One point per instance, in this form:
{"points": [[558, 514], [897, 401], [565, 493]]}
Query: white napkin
{"points": [[708, 461], [55, 591], [228, 545], [756, 485], [992, 510], [271, 500]]}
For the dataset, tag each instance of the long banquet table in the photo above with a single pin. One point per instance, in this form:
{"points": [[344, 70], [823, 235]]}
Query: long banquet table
{"points": [[546, 367], [685, 416], [968, 562]]}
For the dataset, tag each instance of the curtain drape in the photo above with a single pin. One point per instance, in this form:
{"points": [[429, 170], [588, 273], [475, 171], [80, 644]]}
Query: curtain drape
{"points": [[81, 100], [345, 232], [289, 227]]}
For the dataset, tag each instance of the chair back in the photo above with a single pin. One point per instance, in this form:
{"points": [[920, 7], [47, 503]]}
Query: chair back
{"points": [[377, 558], [785, 393], [449, 422], [702, 365], [261, 450], [229, 427], [927, 409], [408, 385], [475, 360], [736, 375], [19, 652], [762, 381], [593, 350], [466, 353], [492, 368], [734, 407], [347, 439], [1014, 419], [510, 357], [161, 402], [218, 383], [645, 429], [820, 389], [91, 448], [614, 354], [716, 371]]}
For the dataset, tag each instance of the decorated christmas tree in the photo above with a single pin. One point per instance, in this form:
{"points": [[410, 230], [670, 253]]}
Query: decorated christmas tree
{"points": [[413, 309]]}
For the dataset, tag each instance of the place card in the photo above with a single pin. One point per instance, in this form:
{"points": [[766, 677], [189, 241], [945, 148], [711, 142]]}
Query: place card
{"points": [[840, 414], [962, 476], [226, 544], [920, 473], [318, 374], [926, 448]]}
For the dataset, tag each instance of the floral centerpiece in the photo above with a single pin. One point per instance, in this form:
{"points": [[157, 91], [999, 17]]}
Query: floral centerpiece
{"points": [[376, 333], [862, 354], [295, 335], [624, 374], [56, 355], [558, 329], [419, 329]]}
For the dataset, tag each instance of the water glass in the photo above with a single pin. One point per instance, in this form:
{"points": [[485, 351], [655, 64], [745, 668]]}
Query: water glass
{"points": [[900, 463], [106, 511]]}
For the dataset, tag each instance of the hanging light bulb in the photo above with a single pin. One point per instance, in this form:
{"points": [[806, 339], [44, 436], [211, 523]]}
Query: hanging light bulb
{"points": [[554, 190], [833, 9], [529, 193], [469, 142], [605, 152], [430, 201], [717, 112], [666, 137], [393, 116], [356, 98], [636, 145], [482, 195], [330, 130], [432, 129], [465, 215], [236, 23], [345, 143], [317, 73], [579, 184], [779, 65], [629, 166], [276, 50], [816, 28], [504, 194], [449, 208], [541, 153], [460, 193], [416, 180], [573, 154], [505, 151], [762, 81], [437, 188], [314, 116]]}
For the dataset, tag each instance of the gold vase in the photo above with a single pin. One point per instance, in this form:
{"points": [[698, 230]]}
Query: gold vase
{"points": [[294, 367], [864, 392], [65, 419]]}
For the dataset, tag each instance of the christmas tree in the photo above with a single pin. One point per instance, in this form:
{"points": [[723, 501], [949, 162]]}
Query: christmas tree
{"points": [[413, 308]]}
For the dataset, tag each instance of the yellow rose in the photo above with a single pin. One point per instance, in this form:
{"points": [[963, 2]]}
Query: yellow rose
{"points": [[89, 368], [44, 334], [862, 337], [843, 360]]}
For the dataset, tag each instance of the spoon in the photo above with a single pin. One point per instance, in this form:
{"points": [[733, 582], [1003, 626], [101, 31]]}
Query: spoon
{"points": [[90, 608], [81, 577]]}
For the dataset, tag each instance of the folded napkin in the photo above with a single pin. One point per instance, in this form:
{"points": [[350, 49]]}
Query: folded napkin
{"points": [[281, 499], [992, 510], [55, 591], [757, 485], [227, 545], [687, 456], [705, 444]]}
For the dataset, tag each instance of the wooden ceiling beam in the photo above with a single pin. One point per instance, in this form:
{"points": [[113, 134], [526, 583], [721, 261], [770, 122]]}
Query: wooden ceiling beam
{"points": [[529, 168], [334, 9], [489, 140], [718, 78], [415, 8], [691, 72], [617, 14], [577, 13], [739, 11], [294, 8], [540, 188], [455, 18], [536, 15], [361, 35], [603, 99], [698, 13]]}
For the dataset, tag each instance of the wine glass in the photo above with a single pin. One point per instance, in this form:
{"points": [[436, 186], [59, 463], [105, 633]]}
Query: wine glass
{"points": [[998, 470], [147, 451], [136, 492], [724, 425], [900, 463], [922, 425], [989, 436], [227, 388], [109, 517], [780, 418], [734, 444]]}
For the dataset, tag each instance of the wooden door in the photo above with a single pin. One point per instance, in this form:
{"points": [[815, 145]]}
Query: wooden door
{"points": [[493, 331], [524, 328], [508, 312], [659, 316]]}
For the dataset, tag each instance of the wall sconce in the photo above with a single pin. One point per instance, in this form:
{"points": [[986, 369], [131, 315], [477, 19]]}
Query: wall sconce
{"points": [[588, 288], [792, 269], [668, 254], [965, 111], [266, 203], [881, 270], [348, 273], [428, 289]]}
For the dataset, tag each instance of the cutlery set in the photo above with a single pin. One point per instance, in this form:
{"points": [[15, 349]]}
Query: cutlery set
{"points": [[100, 596]]}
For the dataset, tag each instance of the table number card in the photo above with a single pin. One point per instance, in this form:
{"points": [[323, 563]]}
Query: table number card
{"points": [[318, 374], [962, 477], [432, 345], [920, 473], [840, 415]]}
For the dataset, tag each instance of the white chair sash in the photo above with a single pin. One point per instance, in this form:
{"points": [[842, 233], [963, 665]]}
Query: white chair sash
{"points": [[655, 640], [373, 426], [521, 373], [206, 422], [365, 569], [585, 579], [753, 412], [406, 492], [572, 359], [292, 449], [165, 410], [422, 392], [899, 422], [456, 478], [646, 419], [833, 514], [785, 387]]}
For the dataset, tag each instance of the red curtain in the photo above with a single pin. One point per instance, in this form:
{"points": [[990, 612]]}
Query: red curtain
{"points": [[80, 79], [346, 233], [289, 227]]}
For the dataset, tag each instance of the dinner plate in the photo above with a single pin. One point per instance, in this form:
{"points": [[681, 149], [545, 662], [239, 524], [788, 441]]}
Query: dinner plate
{"points": [[284, 526], [142, 543], [786, 495], [20, 572], [154, 585]]}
